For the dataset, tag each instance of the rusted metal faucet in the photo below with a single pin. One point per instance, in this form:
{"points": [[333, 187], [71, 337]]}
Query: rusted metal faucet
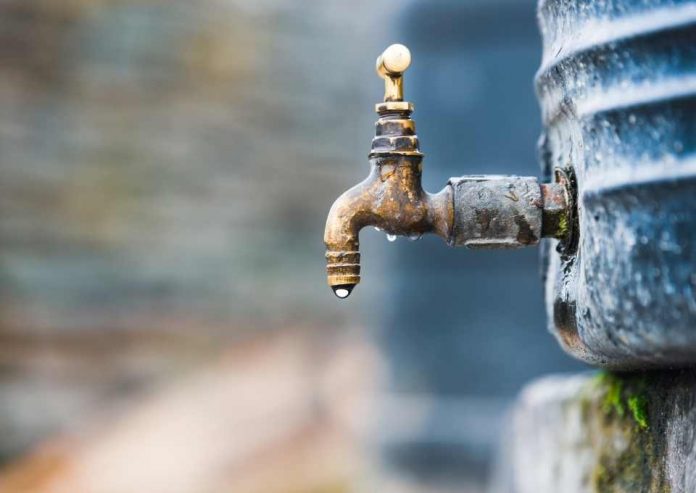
{"points": [[478, 211]]}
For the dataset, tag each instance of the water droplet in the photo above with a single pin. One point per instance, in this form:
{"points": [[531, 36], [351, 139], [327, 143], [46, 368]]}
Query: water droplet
{"points": [[343, 290], [415, 237], [391, 237]]}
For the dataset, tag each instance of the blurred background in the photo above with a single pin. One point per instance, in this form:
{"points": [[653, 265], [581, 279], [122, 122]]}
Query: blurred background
{"points": [[166, 171]]}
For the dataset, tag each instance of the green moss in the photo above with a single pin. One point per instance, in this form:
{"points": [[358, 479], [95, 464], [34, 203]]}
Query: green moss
{"points": [[563, 226], [613, 401], [638, 405], [600, 477], [621, 393], [621, 408]]}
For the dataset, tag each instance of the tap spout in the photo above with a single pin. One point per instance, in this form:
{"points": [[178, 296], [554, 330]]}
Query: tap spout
{"points": [[392, 199]]}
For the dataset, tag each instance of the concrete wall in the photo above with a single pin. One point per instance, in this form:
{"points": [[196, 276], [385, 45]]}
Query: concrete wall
{"points": [[603, 433]]}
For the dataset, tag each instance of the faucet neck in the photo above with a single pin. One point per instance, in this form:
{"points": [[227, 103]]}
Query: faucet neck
{"points": [[395, 131]]}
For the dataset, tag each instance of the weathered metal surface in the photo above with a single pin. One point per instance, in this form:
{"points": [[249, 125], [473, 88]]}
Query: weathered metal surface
{"points": [[617, 87], [496, 211]]}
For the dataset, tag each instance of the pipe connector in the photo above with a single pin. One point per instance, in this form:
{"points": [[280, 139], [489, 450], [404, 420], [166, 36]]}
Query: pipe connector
{"points": [[481, 211]]}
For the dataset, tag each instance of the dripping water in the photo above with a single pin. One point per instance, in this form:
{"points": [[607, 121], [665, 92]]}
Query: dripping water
{"points": [[343, 290]]}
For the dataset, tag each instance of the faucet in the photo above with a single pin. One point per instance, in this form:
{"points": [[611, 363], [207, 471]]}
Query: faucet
{"points": [[476, 211]]}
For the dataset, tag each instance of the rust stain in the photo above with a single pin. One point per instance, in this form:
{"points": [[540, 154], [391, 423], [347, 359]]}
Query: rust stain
{"points": [[525, 235]]}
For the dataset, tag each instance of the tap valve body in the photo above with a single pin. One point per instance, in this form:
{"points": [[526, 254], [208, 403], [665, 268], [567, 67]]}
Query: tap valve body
{"points": [[478, 211]]}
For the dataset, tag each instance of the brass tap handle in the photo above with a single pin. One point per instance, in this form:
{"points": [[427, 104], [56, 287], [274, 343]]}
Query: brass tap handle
{"points": [[391, 65]]}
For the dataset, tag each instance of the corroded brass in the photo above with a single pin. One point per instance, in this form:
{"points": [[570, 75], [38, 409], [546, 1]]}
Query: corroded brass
{"points": [[391, 198], [488, 211]]}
